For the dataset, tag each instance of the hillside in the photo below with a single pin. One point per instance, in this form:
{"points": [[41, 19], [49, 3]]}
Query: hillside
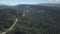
{"points": [[32, 19]]}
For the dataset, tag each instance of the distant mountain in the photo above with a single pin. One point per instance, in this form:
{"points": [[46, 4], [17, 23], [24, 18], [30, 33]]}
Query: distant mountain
{"points": [[23, 7], [4, 6], [51, 4]]}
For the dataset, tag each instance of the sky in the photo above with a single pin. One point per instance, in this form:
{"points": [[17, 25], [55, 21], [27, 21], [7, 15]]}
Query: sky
{"points": [[15, 2]]}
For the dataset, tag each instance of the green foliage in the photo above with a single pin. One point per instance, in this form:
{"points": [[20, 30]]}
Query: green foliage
{"points": [[39, 22], [36, 21], [6, 18]]}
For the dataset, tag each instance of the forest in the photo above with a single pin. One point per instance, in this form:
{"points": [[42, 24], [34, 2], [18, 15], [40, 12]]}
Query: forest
{"points": [[37, 19]]}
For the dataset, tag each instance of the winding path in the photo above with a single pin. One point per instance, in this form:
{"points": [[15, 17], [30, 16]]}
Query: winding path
{"points": [[15, 21]]}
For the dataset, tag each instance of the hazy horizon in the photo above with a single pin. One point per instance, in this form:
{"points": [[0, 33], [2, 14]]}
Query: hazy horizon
{"points": [[15, 2]]}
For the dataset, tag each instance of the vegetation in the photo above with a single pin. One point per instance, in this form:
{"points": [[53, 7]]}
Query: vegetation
{"points": [[37, 20]]}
